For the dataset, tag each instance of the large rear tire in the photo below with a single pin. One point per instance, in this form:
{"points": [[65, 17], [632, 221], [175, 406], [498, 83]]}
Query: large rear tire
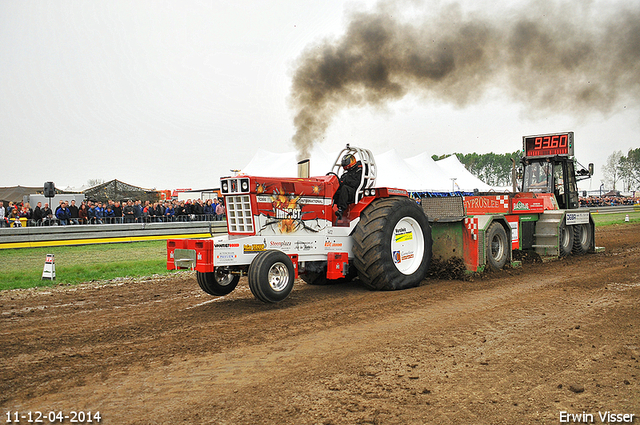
{"points": [[497, 247], [582, 238], [271, 276], [218, 282], [392, 244]]}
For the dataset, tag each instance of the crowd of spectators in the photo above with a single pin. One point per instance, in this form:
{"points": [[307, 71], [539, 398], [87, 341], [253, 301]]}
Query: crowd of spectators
{"points": [[607, 201], [111, 212]]}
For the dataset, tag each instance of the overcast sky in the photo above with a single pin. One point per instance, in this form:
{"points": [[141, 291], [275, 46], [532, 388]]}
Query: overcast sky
{"points": [[175, 94]]}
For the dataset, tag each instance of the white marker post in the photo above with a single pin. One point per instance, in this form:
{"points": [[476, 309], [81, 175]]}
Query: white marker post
{"points": [[49, 271]]}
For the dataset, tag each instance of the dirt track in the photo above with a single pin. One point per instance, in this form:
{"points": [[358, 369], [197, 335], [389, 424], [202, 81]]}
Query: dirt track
{"points": [[514, 347]]}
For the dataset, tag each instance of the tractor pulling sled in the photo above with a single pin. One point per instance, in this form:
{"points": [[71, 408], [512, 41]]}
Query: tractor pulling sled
{"points": [[280, 229]]}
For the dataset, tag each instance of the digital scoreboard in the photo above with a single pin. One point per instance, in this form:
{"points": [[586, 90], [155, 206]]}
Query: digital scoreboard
{"points": [[556, 144]]}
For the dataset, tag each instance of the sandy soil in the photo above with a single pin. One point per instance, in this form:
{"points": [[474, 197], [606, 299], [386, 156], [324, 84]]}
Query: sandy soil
{"points": [[515, 347]]}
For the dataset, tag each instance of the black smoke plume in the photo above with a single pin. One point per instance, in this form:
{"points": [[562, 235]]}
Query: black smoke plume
{"points": [[553, 57]]}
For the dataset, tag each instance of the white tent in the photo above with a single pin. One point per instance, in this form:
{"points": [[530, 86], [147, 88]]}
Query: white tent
{"points": [[417, 174], [463, 178]]}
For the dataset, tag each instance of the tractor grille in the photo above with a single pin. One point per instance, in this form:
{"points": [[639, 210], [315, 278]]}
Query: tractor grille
{"points": [[446, 208], [239, 217]]}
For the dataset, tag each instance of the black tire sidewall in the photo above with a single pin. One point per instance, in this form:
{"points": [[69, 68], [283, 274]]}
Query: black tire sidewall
{"points": [[259, 276], [496, 229], [392, 278], [565, 250], [578, 246], [209, 284]]}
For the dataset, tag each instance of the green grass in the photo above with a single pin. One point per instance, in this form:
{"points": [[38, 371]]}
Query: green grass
{"points": [[22, 268], [615, 218]]}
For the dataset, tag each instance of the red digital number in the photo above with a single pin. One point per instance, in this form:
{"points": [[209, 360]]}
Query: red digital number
{"points": [[554, 141], [563, 141], [538, 143], [545, 142]]}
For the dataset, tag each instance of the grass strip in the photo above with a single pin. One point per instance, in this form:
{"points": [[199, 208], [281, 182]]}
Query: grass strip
{"points": [[22, 267]]}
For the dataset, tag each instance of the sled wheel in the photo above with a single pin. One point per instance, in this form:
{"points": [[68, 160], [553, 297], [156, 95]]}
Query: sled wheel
{"points": [[217, 282], [271, 276], [582, 238], [392, 244], [497, 247], [565, 239]]}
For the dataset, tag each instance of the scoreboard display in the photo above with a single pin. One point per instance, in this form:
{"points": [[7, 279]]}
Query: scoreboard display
{"points": [[556, 144]]}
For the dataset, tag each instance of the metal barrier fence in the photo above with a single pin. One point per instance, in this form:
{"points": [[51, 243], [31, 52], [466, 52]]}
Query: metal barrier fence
{"points": [[40, 236]]}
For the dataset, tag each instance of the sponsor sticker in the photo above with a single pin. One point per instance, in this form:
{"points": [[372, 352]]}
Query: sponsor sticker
{"points": [[332, 244], [280, 244], [303, 246], [577, 218], [226, 245], [251, 248], [521, 206], [226, 256], [396, 257], [403, 235], [407, 256]]}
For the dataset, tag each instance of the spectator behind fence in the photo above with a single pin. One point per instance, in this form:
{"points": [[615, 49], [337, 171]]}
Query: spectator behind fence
{"points": [[209, 211], [90, 212], [38, 214], [129, 213], [47, 215], [117, 212], [137, 208], [14, 218], [169, 212], [220, 210], [62, 214], [83, 214], [109, 215], [99, 213], [3, 211], [74, 217], [27, 213]]}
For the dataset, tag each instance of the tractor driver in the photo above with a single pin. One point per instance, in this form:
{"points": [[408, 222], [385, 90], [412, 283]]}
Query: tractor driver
{"points": [[349, 182]]}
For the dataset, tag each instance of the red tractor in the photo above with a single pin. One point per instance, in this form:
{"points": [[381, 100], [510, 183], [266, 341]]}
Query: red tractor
{"points": [[279, 228], [282, 228]]}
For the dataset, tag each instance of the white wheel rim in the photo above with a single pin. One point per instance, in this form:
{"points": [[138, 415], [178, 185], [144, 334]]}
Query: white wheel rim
{"points": [[407, 245], [497, 248], [565, 237], [278, 277]]}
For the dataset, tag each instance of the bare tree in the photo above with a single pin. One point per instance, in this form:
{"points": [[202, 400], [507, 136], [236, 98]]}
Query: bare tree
{"points": [[94, 182], [612, 169]]}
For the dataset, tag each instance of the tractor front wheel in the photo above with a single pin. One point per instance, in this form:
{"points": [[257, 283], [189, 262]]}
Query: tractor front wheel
{"points": [[271, 276]]}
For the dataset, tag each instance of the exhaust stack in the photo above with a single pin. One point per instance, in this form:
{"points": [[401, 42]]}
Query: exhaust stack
{"points": [[303, 169]]}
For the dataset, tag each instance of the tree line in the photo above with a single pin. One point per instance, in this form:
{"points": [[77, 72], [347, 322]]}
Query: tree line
{"points": [[492, 168], [495, 169], [624, 169]]}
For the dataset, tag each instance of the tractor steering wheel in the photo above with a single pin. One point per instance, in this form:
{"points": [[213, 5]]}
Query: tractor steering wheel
{"points": [[331, 173]]}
